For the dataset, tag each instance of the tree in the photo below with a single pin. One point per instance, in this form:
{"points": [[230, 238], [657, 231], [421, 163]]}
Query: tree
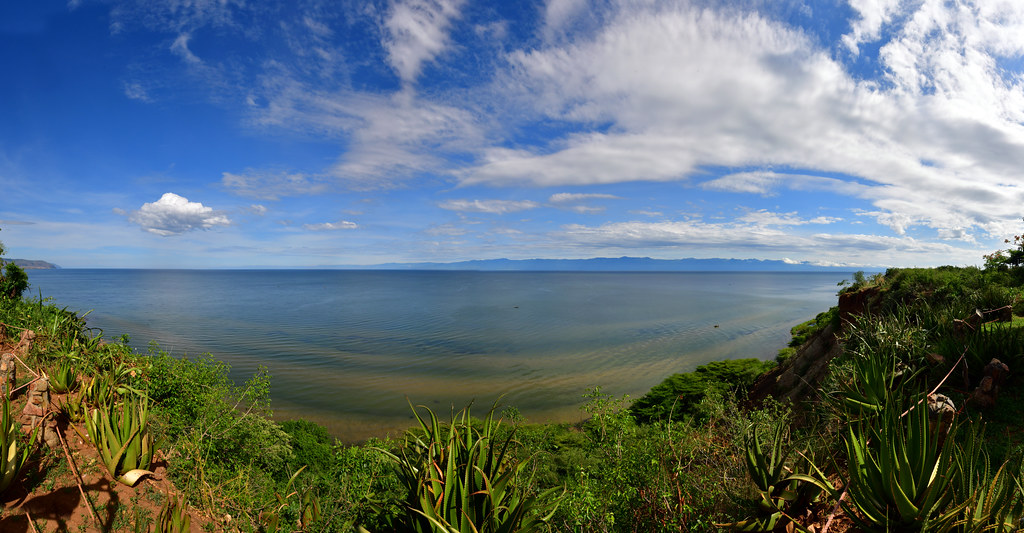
{"points": [[13, 280]]}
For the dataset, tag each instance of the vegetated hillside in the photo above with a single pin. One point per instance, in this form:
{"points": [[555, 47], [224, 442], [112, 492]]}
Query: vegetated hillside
{"points": [[901, 422], [31, 264]]}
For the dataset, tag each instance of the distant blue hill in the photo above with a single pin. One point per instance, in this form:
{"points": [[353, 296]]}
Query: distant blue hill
{"points": [[619, 264]]}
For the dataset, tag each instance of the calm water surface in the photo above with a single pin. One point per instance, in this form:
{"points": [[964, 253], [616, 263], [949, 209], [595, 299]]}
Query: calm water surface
{"points": [[345, 348]]}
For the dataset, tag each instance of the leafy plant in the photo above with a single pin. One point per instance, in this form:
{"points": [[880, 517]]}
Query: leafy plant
{"points": [[305, 499], [990, 502], [460, 478], [122, 439], [64, 377], [11, 458], [782, 489], [173, 517], [900, 471]]}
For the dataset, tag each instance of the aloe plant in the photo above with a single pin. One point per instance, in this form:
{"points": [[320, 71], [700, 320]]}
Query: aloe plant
{"points": [[122, 439], [173, 517], [991, 502], [12, 454], [900, 471], [64, 377], [783, 489], [460, 478], [309, 510]]}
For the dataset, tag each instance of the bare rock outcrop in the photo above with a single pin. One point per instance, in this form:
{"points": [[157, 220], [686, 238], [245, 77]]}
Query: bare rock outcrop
{"points": [[800, 376]]}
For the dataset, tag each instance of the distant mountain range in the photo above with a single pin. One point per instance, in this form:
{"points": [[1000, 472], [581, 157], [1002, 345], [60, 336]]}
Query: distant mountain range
{"points": [[30, 264], [619, 264]]}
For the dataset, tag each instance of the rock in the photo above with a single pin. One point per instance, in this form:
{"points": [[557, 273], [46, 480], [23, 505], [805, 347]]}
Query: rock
{"points": [[984, 397], [940, 407], [799, 377], [37, 405], [994, 376], [8, 374], [24, 343]]}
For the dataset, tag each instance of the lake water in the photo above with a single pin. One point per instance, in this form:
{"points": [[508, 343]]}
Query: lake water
{"points": [[345, 348]]}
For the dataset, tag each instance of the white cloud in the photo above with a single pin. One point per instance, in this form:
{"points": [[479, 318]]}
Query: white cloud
{"points": [[174, 215], [418, 33], [764, 217], [701, 239], [331, 226], [258, 209], [180, 48], [136, 91], [567, 197], [872, 15], [496, 207], [272, 185], [391, 138], [678, 88]]}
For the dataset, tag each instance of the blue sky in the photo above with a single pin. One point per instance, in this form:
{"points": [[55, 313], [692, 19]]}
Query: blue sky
{"points": [[232, 133]]}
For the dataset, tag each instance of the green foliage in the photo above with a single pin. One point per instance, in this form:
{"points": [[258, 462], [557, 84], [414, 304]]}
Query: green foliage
{"points": [[677, 397], [782, 478], [13, 454], [173, 517], [990, 501], [801, 333], [459, 477], [13, 281], [64, 376], [312, 446], [122, 439], [900, 470], [300, 503]]}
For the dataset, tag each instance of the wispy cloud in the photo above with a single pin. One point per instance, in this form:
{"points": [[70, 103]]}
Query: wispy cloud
{"points": [[417, 32], [331, 226], [497, 207], [272, 185]]}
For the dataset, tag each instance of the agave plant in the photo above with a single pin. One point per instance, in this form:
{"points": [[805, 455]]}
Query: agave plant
{"points": [[173, 517], [308, 506], [122, 439], [64, 377], [72, 406], [459, 478], [991, 502], [900, 471], [11, 457], [782, 488]]}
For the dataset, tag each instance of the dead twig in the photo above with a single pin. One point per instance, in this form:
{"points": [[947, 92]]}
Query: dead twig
{"points": [[78, 479]]}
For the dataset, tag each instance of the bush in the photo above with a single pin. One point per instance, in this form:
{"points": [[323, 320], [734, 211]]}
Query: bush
{"points": [[13, 281], [678, 395]]}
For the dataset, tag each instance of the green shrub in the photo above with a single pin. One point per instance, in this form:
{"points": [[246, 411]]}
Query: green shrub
{"points": [[312, 446], [678, 395]]}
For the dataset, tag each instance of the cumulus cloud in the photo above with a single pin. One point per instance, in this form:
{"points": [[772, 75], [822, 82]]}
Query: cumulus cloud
{"points": [[496, 207], [174, 215], [683, 88], [331, 226]]}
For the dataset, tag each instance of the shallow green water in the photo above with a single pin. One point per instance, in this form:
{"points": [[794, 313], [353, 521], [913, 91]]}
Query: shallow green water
{"points": [[346, 347]]}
